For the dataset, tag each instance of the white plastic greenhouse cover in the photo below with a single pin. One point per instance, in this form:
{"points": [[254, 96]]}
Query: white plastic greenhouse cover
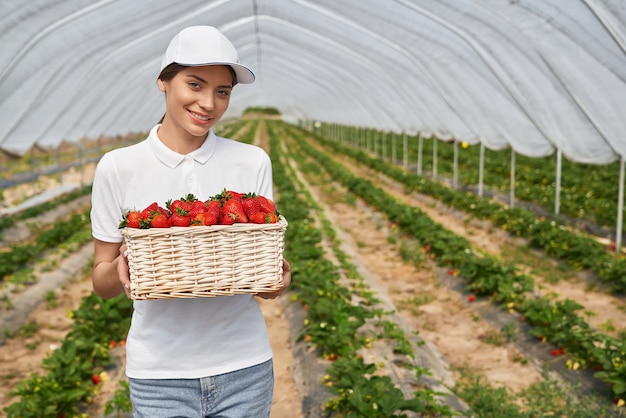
{"points": [[535, 75]]}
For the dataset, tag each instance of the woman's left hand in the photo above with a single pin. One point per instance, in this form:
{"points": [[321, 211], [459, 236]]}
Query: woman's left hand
{"points": [[286, 282]]}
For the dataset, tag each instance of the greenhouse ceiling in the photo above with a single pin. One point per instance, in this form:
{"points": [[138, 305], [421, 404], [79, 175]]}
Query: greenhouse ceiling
{"points": [[534, 75]]}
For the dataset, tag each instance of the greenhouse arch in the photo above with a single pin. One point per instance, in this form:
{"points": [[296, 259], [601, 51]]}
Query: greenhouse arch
{"points": [[534, 76]]}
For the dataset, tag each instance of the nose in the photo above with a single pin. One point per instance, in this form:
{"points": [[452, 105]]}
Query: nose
{"points": [[207, 101]]}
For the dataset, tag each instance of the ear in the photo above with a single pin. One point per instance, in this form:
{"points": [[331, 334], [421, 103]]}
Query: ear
{"points": [[161, 85]]}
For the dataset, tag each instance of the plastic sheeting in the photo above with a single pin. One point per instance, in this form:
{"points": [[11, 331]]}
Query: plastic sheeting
{"points": [[534, 75]]}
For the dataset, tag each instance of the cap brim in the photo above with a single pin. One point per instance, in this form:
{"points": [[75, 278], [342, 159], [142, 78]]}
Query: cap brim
{"points": [[243, 73]]}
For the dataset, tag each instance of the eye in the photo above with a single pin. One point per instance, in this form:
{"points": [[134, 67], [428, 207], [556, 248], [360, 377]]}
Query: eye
{"points": [[223, 92], [194, 85]]}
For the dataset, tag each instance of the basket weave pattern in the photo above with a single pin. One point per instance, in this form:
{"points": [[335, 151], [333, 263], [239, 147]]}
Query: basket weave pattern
{"points": [[205, 261]]}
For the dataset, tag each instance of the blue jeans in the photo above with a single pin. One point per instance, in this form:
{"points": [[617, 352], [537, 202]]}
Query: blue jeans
{"points": [[245, 393]]}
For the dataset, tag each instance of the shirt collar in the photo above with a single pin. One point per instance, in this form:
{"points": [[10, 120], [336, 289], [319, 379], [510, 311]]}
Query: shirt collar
{"points": [[172, 158]]}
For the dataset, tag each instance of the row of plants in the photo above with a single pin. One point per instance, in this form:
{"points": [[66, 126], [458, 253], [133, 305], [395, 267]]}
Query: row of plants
{"points": [[334, 323], [550, 320], [587, 191], [557, 240], [19, 257], [8, 221]]}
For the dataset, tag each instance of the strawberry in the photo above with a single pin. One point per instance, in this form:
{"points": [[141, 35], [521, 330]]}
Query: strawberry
{"points": [[227, 220], [173, 205], [257, 217], [234, 195], [209, 219], [149, 210], [213, 208], [96, 379], [197, 220], [180, 218], [197, 207], [131, 219], [233, 209], [250, 204], [267, 205], [227, 195], [159, 220], [271, 218]]}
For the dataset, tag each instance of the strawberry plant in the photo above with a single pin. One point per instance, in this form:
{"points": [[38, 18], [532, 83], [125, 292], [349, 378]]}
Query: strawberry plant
{"points": [[611, 357]]}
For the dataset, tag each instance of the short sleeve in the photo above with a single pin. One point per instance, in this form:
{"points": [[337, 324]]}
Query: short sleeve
{"points": [[106, 210]]}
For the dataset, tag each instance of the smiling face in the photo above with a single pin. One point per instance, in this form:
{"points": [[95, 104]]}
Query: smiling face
{"points": [[195, 100]]}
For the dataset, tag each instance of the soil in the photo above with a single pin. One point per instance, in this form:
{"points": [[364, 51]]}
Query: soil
{"points": [[425, 297]]}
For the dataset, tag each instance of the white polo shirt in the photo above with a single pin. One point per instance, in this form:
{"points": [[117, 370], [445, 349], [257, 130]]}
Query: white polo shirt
{"points": [[183, 338]]}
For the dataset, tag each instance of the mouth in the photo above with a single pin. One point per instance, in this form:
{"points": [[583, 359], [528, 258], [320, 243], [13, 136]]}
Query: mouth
{"points": [[199, 117]]}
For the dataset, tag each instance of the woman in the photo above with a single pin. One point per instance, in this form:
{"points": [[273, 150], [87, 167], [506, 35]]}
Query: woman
{"points": [[200, 357]]}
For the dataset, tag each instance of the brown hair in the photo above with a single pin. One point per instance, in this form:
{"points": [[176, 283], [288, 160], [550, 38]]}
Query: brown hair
{"points": [[172, 69]]}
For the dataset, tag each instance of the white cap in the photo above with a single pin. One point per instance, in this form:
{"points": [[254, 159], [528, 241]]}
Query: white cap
{"points": [[205, 45]]}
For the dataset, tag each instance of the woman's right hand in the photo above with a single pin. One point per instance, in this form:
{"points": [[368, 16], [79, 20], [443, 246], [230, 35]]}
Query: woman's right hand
{"points": [[123, 271], [110, 273]]}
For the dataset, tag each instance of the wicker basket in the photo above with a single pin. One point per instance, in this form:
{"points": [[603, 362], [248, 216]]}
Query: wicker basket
{"points": [[205, 261]]}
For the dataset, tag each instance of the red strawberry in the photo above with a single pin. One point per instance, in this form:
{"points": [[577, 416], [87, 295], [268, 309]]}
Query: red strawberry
{"points": [[231, 194], [471, 298], [271, 218], [173, 205], [257, 217], [227, 195], [96, 379], [267, 205], [180, 218], [132, 219], [213, 208], [160, 221], [149, 210], [197, 207], [234, 210], [204, 219], [209, 219], [250, 204]]}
